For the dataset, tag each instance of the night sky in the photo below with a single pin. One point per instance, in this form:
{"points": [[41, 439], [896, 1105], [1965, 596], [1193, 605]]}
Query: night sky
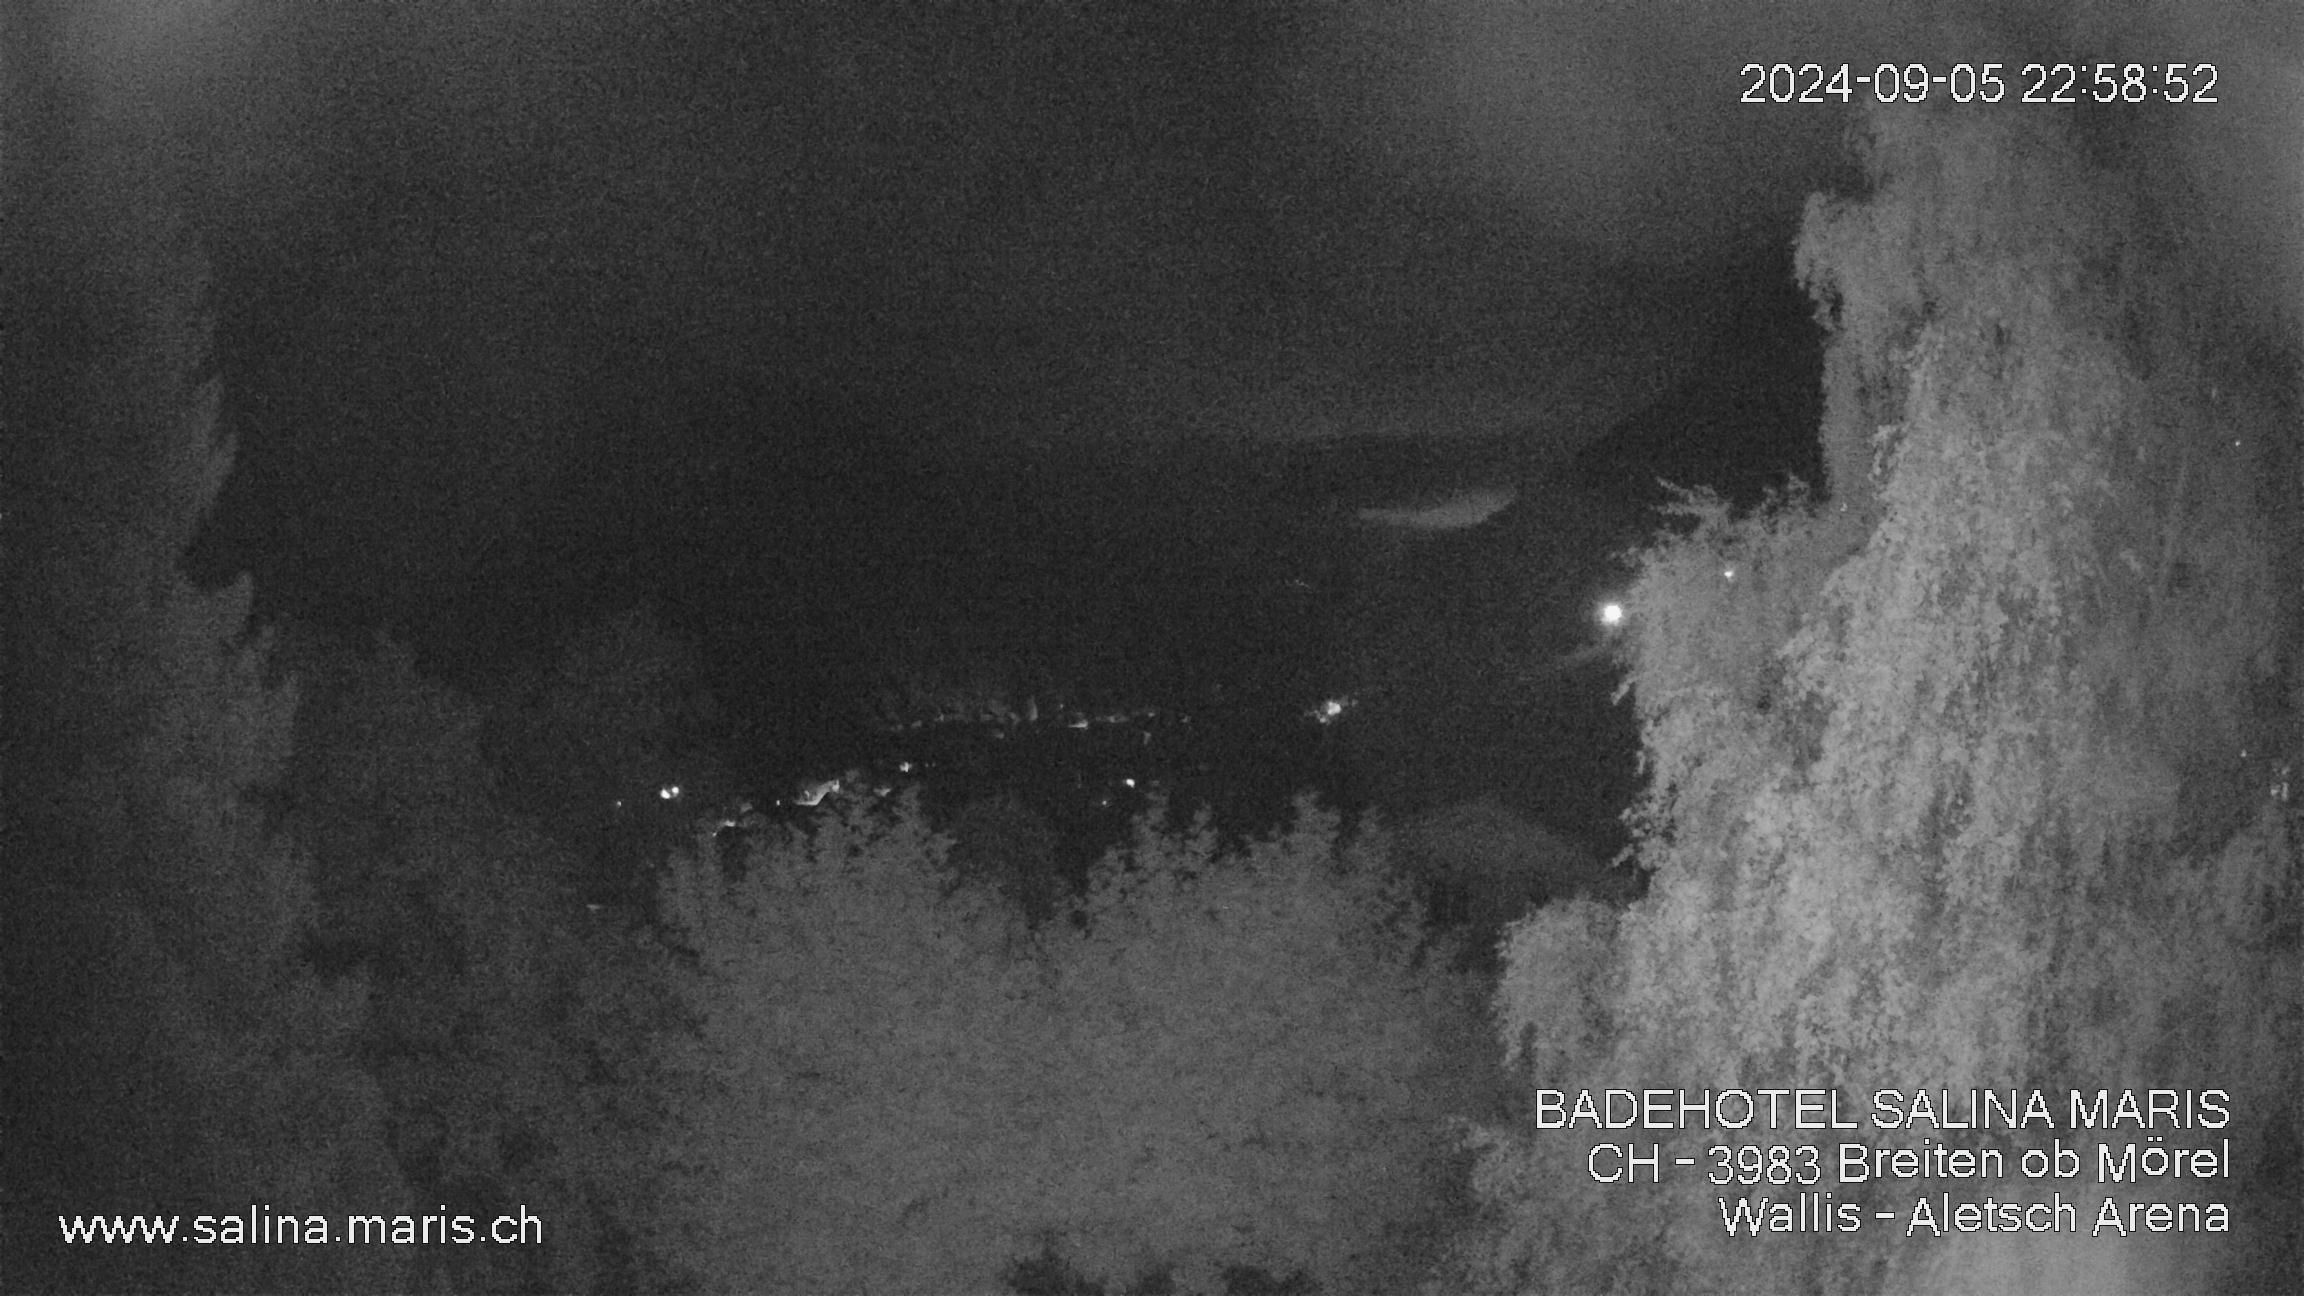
{"points": [[836, 333]]}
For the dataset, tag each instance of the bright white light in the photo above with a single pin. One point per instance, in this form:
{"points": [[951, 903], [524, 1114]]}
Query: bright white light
{"points": [[1612, 615], [1727, 573], [668, 792]]}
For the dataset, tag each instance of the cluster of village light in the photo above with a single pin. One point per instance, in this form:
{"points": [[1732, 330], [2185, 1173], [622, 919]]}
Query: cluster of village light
{"points": [[864, 783]]}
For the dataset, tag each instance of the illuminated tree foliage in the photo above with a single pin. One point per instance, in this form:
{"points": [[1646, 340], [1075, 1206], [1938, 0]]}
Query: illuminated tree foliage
{"points": [[1968, 780], [167, 1051], [509, 1025], [1213, 1063]]}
